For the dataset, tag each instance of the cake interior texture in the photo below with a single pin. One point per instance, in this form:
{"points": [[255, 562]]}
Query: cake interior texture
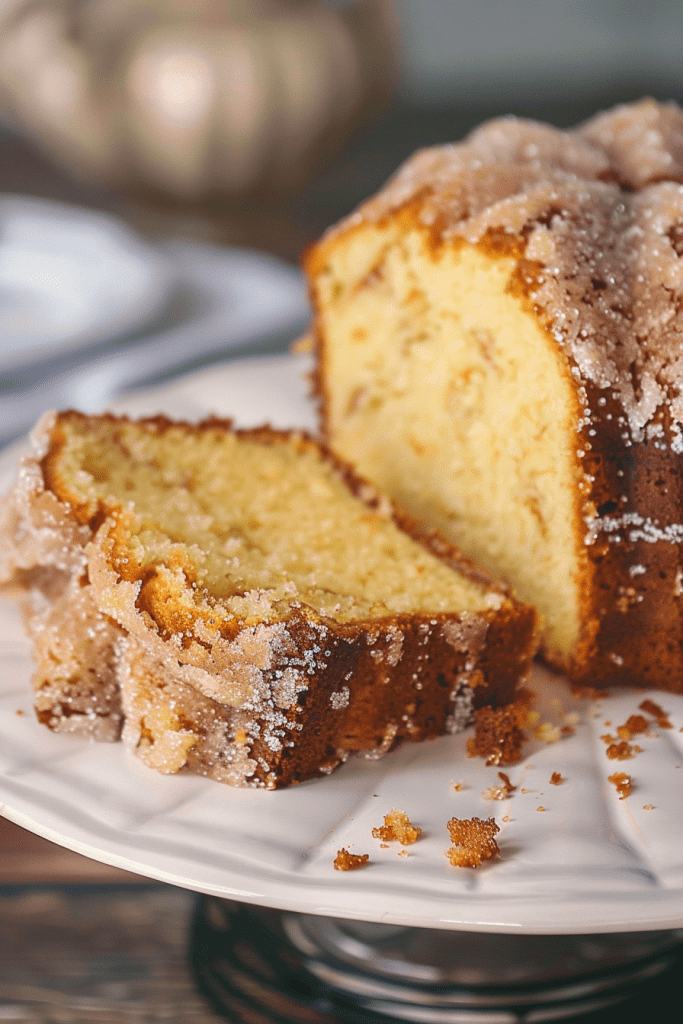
{"points": [[239, 604], [258, 524], [447, 395], [498, 338]]}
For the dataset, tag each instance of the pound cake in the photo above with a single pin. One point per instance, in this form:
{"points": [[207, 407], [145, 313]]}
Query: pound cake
{"points": [[240, 605], [500, 349]]}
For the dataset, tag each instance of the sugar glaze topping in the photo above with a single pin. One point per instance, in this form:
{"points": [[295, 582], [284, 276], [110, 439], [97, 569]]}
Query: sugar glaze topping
{"points": [[599, 212]]}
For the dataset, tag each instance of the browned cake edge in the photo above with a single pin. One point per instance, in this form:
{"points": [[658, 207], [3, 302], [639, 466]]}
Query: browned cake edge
{"points": [[322, 689], [630, 608]]}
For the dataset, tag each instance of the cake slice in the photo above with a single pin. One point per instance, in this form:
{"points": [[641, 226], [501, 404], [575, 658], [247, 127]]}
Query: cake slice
{"points": [[499, 335], [240, 605]]}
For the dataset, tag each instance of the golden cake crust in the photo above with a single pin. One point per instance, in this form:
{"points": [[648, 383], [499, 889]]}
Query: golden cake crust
{"points": [[592, 220]]}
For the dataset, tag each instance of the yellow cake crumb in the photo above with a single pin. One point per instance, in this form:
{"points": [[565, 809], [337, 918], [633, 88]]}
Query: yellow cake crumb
{"points": [[660, 716], [633, 725], [473, 841], [547, 732], [397, 828], [345, 861], [622, 751], [623, 783], [501, 792]]}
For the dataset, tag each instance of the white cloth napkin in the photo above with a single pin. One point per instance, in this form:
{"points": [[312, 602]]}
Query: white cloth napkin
{"points": [[89, 311]]}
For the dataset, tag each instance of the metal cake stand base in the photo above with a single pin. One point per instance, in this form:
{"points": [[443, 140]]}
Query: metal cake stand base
{"points": [[262, 966]]}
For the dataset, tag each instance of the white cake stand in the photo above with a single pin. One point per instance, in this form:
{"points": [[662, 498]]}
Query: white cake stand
{"points": [[585, 901]]}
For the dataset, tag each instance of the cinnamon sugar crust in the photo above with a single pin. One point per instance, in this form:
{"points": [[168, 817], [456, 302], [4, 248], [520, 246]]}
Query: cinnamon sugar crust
{"points": [[240, 605], [572, 244]]}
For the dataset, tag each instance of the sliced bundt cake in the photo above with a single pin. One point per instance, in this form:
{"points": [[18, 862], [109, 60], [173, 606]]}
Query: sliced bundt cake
{"points": [[240, 604], [500, 339]]}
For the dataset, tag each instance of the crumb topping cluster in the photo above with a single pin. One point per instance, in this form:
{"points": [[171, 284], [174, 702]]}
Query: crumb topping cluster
{"points": [[473, 841], [397, 828], [345, 861]]}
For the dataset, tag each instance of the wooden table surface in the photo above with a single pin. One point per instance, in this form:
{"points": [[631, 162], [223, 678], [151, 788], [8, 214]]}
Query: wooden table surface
{"points": [[100, 954]]}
